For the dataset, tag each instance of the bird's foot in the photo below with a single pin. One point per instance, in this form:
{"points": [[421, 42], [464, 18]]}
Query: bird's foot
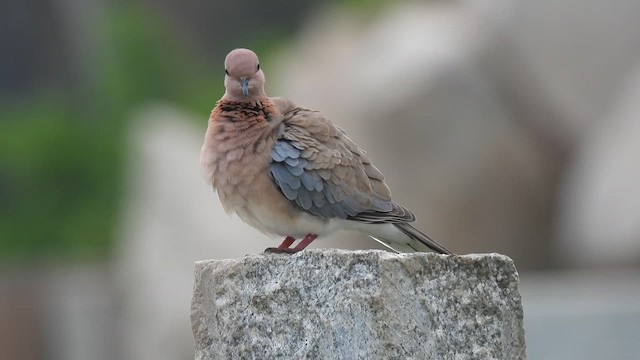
{"points": [[277, 250], [285, 248]]}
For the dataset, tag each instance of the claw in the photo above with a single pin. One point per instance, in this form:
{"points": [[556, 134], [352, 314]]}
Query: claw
{"points": [[277, 250]]}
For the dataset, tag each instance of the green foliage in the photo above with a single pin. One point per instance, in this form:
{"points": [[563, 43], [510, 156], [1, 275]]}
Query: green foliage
{"points": [[61, 155], [60, 181]]}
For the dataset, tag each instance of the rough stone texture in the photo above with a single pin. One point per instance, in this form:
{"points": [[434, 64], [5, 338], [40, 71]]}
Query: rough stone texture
{"points": [[335, 304]]}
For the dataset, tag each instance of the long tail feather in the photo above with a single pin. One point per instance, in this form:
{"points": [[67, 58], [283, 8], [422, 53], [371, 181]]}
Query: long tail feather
{"points": [[421, 238]]}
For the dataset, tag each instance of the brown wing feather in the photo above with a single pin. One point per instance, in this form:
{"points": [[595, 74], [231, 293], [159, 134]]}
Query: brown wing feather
{"points": [[324, 152]]}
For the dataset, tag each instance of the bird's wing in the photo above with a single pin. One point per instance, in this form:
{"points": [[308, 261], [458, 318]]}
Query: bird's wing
{"points": [[316, 166]]}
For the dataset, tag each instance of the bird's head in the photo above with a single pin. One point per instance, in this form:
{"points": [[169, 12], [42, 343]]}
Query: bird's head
{"points": [[243, 78]]}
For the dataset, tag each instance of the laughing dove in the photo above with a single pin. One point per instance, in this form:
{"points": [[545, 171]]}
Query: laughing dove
{"points": [[287, 170]]}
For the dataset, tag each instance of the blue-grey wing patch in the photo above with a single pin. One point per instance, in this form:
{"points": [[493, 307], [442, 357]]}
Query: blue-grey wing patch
{"points": [[322, 193]]}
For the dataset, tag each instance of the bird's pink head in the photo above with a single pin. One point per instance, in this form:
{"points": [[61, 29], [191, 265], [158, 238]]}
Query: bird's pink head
{"points": [[244, 81]]}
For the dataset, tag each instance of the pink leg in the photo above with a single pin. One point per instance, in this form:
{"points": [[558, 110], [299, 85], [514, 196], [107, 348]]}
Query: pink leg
{"points": [[286, 242], [305, 242]]}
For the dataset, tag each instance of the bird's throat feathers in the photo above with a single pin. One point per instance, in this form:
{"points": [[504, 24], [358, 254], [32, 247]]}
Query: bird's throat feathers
{"points": [[244, 113]]}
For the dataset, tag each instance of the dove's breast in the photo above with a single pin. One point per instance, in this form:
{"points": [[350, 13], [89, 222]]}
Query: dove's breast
{"points": [[267, 210], [235, 159]]}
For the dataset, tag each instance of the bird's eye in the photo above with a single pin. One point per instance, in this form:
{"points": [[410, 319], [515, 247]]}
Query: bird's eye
{"points": [[226, 71], [258, 67]]}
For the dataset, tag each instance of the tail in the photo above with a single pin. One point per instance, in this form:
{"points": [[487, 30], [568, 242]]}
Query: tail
{"points": [[421, 239]]}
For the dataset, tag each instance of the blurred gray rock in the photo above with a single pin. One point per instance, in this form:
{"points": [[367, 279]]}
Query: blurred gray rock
{"points": [[563, 62], [78, 309], [492, 120], [410, 89], [334, 304], [599, 205]]}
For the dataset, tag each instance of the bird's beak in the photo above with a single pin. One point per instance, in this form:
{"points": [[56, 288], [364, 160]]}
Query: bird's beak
{"points": [[244, 84]]}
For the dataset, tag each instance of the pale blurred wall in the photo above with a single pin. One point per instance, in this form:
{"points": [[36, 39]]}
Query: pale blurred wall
{"points": [[476, 111], [411, 90]]}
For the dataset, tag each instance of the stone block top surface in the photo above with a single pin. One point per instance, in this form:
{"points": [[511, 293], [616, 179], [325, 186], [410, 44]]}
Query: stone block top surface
{"points": [[336, 304]]}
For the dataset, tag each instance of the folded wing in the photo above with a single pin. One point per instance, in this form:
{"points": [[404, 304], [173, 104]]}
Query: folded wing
{"points": [[317, 166]]}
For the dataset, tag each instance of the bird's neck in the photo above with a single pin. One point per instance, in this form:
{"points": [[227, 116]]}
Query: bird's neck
{"points": [[254, 96], [257, 110]]}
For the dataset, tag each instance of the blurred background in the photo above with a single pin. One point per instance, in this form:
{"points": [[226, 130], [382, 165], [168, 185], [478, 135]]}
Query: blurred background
{"points": [[507, 126]]}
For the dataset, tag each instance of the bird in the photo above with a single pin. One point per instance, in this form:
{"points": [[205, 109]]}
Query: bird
{"points": [[288, 171]]}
